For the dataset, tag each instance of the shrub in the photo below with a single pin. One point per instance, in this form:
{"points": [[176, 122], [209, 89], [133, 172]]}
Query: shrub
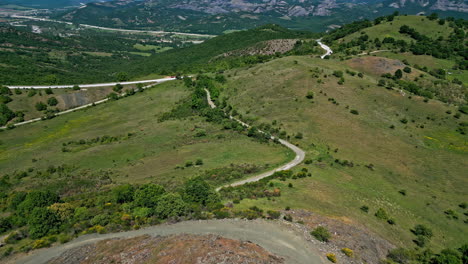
{"points": [[41, 243], [41, 222], [381, 214], [5, 225], [52, 101], [364, 208], [197, 190], [348, 252], [421, 230], [101, 219], [407, 69], [288, 218], [49, 91], [147, 195], [76, 87], [321, 234], [354, 112], [113, 96], [400, 255], [123, 193], [40, 106], [338, 74], [310, 95], [199, 162], [170, 205], [331, 257], [273, 214], [63, 238]]}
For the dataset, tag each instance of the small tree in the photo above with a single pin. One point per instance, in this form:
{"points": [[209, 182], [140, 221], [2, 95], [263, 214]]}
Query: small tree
{"points": [[122, 77], [148, 195], [407, 69], [52, 101], [382, 214], [42, 222], [118, 88], [40, 106], [170, 205], [76, 87], [123, 193], [321, 234], [49, 91], [398, 74], [310, 95]]}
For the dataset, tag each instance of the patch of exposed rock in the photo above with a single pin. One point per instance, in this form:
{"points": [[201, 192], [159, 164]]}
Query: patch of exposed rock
{"points": [[177, 249], [269, 47], [368, 247]]}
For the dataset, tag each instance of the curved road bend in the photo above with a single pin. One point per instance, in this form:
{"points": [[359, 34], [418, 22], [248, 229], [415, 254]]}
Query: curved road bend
{"points": [[300, 154], [328, 50], [271, 235]]}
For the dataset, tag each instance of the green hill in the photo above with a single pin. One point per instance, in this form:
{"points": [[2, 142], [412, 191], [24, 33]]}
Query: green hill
{"points": [[366, 146]]}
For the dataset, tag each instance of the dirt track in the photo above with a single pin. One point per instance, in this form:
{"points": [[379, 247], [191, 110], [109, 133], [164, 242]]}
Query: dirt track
{"points": [[271, 235]]}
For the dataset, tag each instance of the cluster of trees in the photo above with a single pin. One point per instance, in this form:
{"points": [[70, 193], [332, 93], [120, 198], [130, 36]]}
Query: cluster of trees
{"points": [[43, 214], [6, 114], [427, 256]]}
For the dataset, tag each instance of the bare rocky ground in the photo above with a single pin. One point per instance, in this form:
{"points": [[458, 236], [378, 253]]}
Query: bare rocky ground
{"points": [[269, 47], [172, 249], [368, 247]]}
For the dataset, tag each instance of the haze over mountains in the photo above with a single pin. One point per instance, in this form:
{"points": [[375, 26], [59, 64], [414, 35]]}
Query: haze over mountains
{"points": [[217, 16]]}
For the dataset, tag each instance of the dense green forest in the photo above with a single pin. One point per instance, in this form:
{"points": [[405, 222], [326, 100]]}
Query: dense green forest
{"points": [[97, 57]]}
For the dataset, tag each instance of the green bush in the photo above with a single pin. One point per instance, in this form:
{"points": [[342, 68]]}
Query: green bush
{"points": [[273, 214], [52, 101], [42, 222], [321, 234], [382, 214], [40, 106], [170, 205], [147, 195]]}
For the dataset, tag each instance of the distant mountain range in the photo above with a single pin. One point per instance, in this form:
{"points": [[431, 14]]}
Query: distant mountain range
{"points": [[48, 3], [217, 16]]}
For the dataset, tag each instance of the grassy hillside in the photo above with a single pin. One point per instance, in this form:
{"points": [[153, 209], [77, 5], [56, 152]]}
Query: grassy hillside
{"points": [[151, 154], [199, 57], [422, 24], [96, 56], [402, 154]]}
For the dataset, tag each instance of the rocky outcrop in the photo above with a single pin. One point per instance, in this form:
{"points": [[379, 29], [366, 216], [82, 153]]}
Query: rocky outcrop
{"points": [[292, 8], [442, 5], [447, 5]]}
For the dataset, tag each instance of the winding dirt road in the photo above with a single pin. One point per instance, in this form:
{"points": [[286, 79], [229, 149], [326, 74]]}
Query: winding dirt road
{"points": [[271, 235], [328, 50], [300, 154]]}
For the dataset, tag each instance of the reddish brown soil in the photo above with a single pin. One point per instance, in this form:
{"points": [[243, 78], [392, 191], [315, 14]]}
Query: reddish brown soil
{"points": [[173, 249]]}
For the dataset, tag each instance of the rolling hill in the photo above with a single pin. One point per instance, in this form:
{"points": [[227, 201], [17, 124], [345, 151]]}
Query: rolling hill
{"points": [[384, 134]]}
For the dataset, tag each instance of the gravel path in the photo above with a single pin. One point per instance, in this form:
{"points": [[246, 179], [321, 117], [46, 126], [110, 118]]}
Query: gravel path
{"points": [[300, 154], [328, 50], [271, 235]]}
